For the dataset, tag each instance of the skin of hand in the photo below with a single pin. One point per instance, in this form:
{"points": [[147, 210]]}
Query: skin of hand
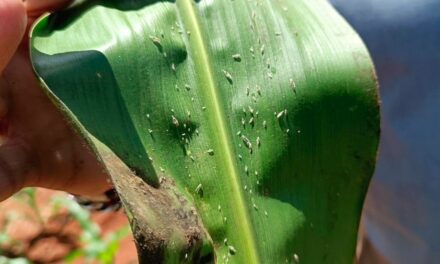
{"points": [[38, 146]]}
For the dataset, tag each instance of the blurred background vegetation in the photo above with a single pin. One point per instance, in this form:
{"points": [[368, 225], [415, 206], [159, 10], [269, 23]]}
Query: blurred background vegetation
{"points": [[42, 226]]}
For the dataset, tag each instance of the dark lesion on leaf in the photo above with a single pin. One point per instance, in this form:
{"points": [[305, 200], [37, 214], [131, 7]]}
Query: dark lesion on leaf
{"points": [[183, 131], [165, 224]]}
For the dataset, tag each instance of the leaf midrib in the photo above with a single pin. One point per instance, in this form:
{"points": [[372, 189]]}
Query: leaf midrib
{"points": [[187, 12]]}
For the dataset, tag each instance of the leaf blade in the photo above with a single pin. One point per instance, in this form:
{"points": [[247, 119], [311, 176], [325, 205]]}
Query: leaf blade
{"points": [[281, 212], [189, 19]]}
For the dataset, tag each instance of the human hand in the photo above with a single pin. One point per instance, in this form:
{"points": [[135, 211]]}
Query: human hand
{"points": [[39, 148]]}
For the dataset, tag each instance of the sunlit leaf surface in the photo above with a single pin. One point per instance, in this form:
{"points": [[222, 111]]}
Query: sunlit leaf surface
{"points": [[262, 115]]}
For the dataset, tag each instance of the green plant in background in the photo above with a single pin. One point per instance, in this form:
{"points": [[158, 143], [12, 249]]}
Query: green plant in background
{"points": [[234, 131], [5, 260], [5, 239], [28, 196], [94, 248]]}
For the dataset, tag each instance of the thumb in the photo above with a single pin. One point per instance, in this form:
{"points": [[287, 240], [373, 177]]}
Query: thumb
{"points": [[37, 7], [12, 27]]}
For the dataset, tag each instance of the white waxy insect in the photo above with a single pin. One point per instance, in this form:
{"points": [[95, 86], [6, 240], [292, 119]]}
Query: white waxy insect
{"points": [[296, 258], [280, 114], [239, 133], [150, 131], [258, 141], [255, 206], [199, 189], [292, 85], [240, 157], [187, 87], [265, 124], [236, 57], [175, 121], [210, 152], [228, 76], [155, 40], [219, 208], [246, 169], [270, 75], [265, 213], [173, 67], [162, 169], [251, 121], [246, 142], [232, 250], [203, 108]]}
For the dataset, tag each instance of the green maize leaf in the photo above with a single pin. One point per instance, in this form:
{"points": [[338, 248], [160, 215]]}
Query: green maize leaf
{"points": [[235, 131]]}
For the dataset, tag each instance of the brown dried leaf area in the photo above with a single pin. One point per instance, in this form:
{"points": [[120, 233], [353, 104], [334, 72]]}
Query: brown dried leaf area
{"points": [[165, 224], [49, 235]]}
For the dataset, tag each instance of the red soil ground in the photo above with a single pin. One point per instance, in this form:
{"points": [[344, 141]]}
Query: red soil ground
{"points": [[52, 241]]}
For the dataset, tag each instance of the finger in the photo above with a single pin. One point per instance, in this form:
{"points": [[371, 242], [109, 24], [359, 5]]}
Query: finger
{"points": [[35, 8], [12, 27], [3, 104], [14, 164]]}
